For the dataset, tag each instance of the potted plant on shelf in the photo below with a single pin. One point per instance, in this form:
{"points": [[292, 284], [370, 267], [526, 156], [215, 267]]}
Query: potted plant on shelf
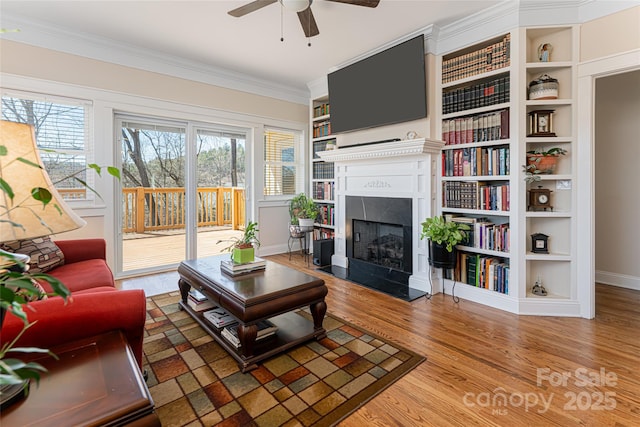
{"points": [[443, 237], [303, 212], [541, 162], [243, 248]]}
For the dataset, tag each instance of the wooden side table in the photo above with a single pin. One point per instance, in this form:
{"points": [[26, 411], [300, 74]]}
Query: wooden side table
{"points": [[95, 382]]}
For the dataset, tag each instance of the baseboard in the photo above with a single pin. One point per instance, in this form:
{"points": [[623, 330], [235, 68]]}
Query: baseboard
{"points": [[620, 280]]}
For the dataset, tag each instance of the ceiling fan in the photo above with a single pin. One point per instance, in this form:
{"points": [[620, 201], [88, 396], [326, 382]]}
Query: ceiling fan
{"points": [[303, 7]]}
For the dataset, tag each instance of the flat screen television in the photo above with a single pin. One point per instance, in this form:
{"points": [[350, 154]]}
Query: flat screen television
{"points": [[386, 88]]}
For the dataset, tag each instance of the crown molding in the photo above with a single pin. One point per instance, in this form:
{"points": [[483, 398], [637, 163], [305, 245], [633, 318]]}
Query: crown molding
{"points": [[101, 49]]}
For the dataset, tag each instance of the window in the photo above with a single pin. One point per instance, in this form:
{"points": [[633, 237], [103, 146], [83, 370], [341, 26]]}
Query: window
{"points": [[61, 127], [282, 169]]}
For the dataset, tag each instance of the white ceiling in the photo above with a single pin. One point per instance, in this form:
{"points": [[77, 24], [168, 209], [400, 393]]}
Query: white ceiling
{"points": [[201, 32]]}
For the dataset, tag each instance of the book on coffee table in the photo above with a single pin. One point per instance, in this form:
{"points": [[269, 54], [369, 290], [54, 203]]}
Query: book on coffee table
{"points": [[265, 329], [231, 268]]}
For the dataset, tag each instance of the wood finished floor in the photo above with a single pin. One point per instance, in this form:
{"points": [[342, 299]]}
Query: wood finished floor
{"points": [[491, 368]]}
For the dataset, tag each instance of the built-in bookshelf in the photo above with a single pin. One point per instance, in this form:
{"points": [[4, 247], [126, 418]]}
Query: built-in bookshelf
{"points": [[322, 173], [487, 123], [555, 269], [477, 165]]}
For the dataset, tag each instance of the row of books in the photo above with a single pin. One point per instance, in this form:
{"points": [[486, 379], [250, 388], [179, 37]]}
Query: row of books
{"points": [[491, 126], [481, 271], [323, 233], [321, 146], [475, 195], [482, 60], [233, 269], [478, 95], [321, 129], [478, 161], [326, 215], [321, 110], [323, 190], [484, 234], [323, 170], [266, 329]]}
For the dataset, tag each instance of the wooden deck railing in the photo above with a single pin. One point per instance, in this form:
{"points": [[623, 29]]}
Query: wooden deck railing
{"points": [[154, 209]]}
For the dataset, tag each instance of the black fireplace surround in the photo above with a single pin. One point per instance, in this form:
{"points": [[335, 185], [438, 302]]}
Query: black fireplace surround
{"points": [[378, 234]]}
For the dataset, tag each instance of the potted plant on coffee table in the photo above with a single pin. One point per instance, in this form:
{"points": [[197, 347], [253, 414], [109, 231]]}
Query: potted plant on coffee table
{"points": [[243, 248], [443, 237]]}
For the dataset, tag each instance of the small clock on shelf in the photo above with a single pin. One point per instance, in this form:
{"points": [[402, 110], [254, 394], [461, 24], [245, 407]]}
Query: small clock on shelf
{"points": [[539, 198], [541, 123], [539, 243]]}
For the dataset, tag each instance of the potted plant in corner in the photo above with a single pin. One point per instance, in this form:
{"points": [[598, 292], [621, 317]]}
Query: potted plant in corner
{"points": [[242, 248], [541, 162], [443, 237], [303, 212]]}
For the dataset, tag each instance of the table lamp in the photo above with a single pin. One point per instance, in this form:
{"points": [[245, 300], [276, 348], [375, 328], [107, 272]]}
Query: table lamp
{"points": [[30, 206]]}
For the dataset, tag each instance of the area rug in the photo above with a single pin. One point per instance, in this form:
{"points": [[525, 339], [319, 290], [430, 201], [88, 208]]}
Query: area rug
{"points": [[194, 382]]}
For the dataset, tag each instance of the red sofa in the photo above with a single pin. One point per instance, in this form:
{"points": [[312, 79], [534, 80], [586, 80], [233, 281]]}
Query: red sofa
{"points": [[95, 306]]}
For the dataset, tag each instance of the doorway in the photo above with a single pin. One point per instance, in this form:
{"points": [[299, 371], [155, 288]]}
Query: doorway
{"points": [[182, 192]]}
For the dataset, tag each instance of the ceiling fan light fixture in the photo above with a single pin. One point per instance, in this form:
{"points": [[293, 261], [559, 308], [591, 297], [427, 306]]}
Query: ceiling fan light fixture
{"points": [[296, 5]]}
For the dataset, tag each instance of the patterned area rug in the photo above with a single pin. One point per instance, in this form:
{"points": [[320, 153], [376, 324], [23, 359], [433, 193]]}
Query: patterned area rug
{"points": [[194, 382]]}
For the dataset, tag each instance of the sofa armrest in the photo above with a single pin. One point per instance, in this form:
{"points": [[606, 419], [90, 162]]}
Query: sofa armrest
{"points": [[83, 316], [75, 250]]}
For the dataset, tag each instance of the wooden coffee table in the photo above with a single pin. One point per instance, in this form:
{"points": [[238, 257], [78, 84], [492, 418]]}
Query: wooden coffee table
{"points": [[272, 293]]}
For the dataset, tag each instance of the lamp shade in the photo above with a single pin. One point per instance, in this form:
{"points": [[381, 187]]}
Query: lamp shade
{"points": [[21, 171]]}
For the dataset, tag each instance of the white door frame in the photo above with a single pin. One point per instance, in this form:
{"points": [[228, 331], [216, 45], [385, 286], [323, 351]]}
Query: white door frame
{"points": [[588, 72]]}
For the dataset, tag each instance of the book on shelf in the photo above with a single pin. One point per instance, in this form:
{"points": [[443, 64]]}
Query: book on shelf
{"points": [[230, 267], [265, 329], [219, 317], [198, 301], [200, 305]]}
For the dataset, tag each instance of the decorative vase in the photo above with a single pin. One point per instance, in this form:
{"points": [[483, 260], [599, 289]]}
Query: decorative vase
{"points": [[243, 255], [440, 257], [294, 231], [543, 164], [306, 224]]}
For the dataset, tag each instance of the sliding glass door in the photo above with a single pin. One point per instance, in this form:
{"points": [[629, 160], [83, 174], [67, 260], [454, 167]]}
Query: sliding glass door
{"points": [[182, 191]]}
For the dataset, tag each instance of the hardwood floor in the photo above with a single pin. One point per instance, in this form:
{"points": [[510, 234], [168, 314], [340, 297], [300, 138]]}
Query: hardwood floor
{"points": [[489, 367]]}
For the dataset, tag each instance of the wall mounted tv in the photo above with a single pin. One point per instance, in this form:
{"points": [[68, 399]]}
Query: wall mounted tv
{"points": [[385, 88]]}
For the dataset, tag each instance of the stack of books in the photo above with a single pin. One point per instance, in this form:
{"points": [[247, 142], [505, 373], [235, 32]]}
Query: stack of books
{"points": [[265, 329], [233, 269], [219, 318], [198, 301]]}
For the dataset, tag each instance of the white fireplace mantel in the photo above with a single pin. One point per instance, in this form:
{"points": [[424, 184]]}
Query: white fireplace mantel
{"points": [[394, 169], [411, 147]]}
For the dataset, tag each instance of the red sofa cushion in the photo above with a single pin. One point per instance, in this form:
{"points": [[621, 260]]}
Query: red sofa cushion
{"points": [[83, 275]]}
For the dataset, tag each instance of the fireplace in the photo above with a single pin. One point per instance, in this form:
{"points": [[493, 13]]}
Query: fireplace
{"points": [[383, 192], [379, 236]]}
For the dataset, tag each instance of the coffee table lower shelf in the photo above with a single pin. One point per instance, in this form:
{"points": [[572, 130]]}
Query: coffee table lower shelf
{"points": [[293, 329]]}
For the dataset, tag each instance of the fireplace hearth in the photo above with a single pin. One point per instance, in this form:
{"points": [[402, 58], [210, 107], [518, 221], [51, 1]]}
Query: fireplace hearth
{"points": [[379, 245]]}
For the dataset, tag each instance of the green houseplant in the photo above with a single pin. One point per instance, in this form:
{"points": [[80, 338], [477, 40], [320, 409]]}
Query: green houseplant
{"points": [[541, 162], [443, 237], [243, 248], [302, 207]]}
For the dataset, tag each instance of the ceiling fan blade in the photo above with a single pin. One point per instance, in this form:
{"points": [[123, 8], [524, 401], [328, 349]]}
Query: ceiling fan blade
{"points": [[308, 23], [365, 3], [250, 7]]}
